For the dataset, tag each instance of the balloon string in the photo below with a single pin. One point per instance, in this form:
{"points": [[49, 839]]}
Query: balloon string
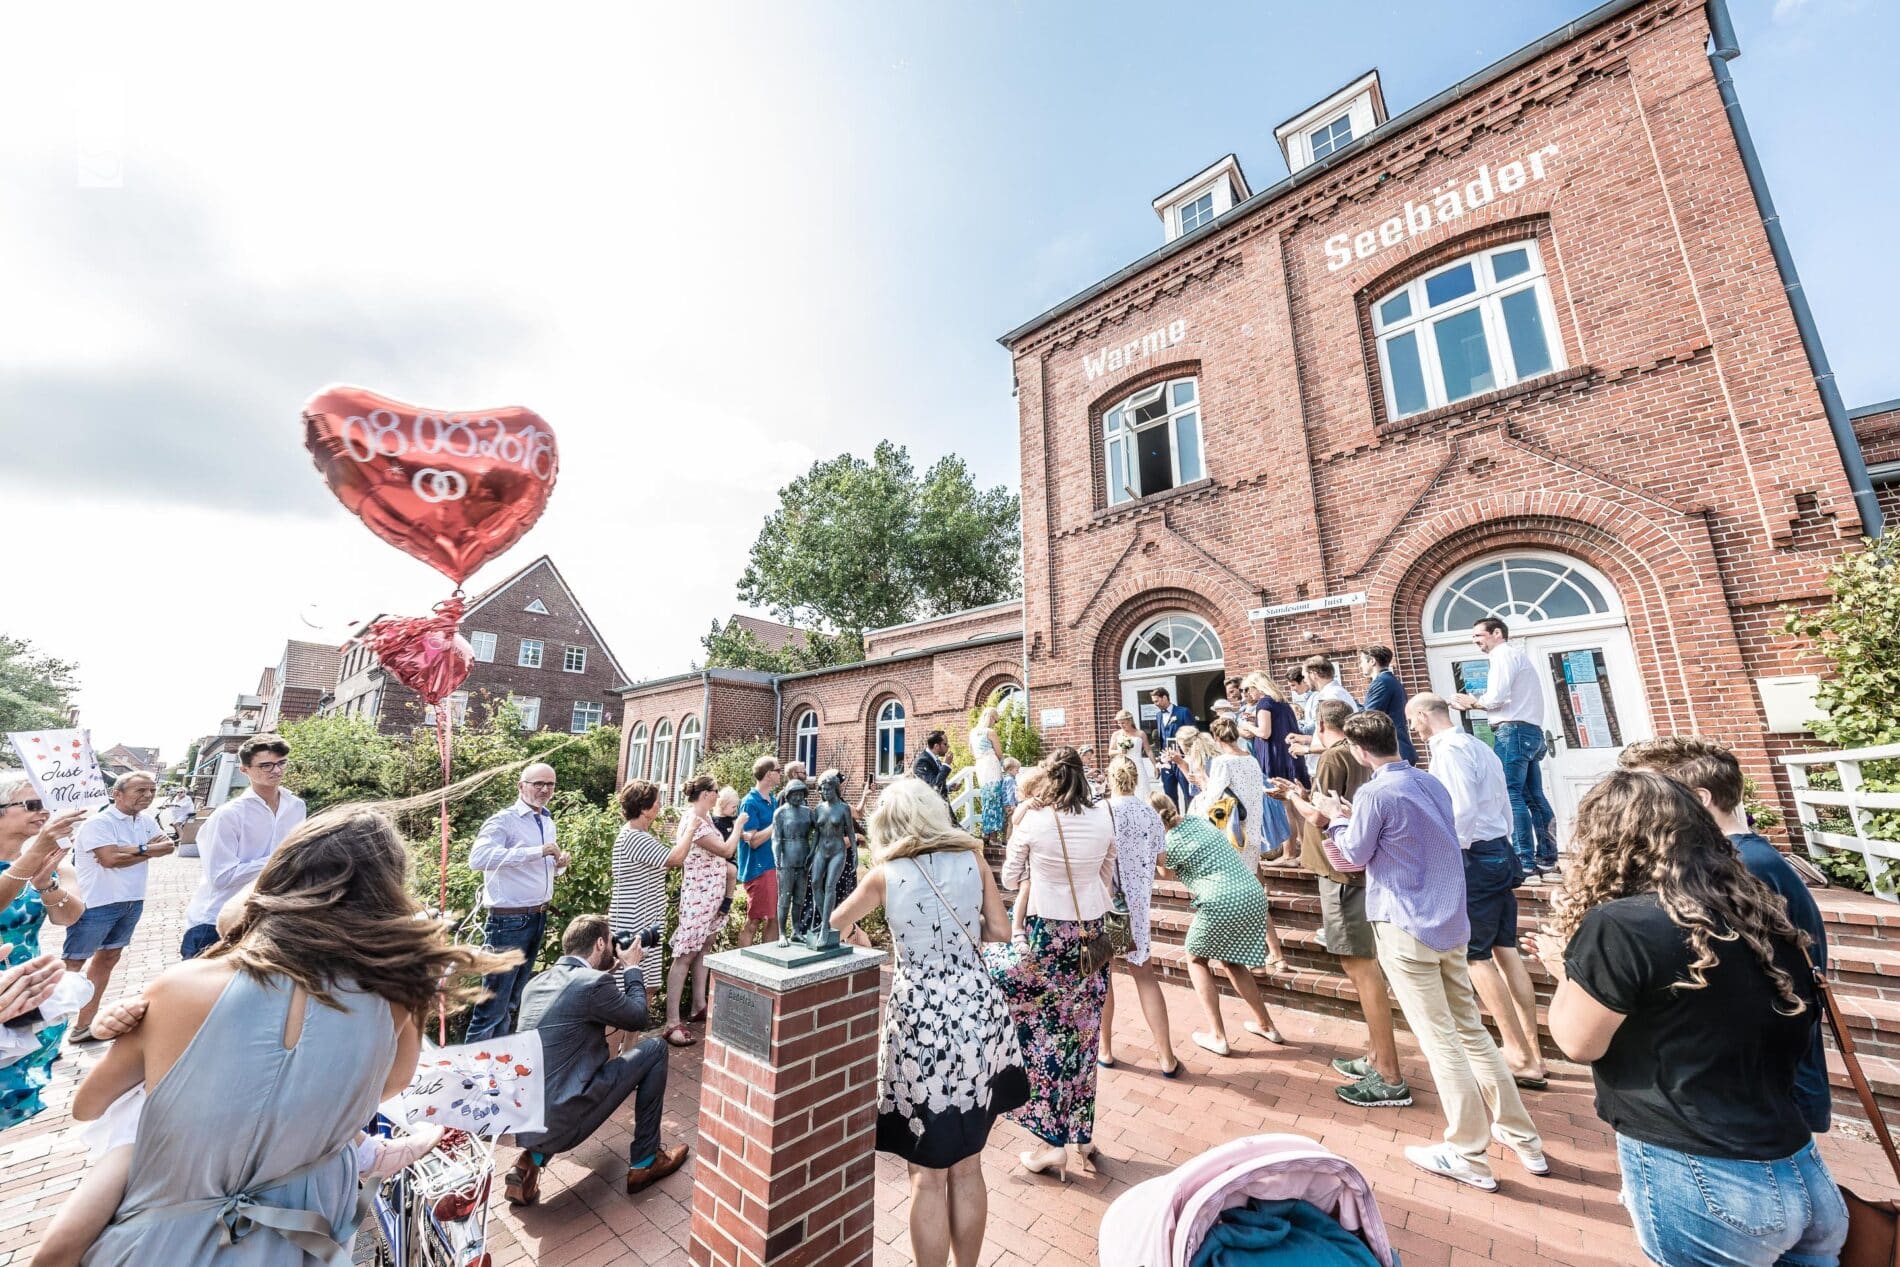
{"points": [[443, 722]]}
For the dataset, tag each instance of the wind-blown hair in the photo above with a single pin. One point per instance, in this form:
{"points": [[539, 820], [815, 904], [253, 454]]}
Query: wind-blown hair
{"points": [[1068, 791], [333, 906], [1641, 832], [911, 820]]}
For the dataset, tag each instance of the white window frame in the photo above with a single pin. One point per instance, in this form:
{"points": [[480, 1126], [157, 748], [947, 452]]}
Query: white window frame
{"points": [[805, 739], [637, 751], [663, 757], [1120, 471], [483, 645], [540, 653], [1488, 299], [686, 752], [536, 606], [1323, 132], [530, 708], [1191, 206], [458, 710], [585, 716], [567, 659], [890, 720]]}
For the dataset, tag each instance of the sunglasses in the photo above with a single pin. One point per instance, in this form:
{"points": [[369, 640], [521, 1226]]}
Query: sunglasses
{"points": [[31, 807]]}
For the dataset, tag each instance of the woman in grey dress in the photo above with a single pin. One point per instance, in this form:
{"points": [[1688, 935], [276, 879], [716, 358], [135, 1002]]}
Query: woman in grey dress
{"points": [[263, 1059]]}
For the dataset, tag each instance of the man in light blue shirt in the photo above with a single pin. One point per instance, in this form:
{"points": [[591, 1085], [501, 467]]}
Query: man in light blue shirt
{"points": [[758, 869], [519, 857]]}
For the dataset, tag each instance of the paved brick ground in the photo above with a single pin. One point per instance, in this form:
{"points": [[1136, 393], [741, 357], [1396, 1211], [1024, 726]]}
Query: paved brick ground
{"points": [[1146, 1125]]}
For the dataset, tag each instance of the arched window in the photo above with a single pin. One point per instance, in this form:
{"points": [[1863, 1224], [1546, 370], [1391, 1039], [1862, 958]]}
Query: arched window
{"points": [[805, 740], [1522, 590], [637, 752], [1010, 696], [1173, 642], [1151, 441], [663, 758], [890, 740], [1470, 327], [688, 758]]}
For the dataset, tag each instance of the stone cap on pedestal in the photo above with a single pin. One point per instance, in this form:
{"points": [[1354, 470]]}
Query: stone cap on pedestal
{"points": [[767, 975]]}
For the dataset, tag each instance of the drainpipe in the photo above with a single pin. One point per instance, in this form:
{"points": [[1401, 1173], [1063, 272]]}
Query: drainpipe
{"points": [[1722, 36], [705, 713], [778, 716]]}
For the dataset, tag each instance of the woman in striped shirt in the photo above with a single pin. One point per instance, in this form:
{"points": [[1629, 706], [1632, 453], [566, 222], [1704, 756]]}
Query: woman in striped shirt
{"points": [[639, 897]]}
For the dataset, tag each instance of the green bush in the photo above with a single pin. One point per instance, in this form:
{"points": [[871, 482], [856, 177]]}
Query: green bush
{"points": [[730, 763]]}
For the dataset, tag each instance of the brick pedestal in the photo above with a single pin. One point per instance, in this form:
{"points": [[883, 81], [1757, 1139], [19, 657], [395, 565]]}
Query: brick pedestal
{"points": [[787, 1114]]}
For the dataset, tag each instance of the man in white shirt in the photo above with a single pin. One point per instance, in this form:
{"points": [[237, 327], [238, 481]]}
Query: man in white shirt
{"points": [[182, 808], [1513, 702], [1323, 679], [518, 856], [239, 837], [110, 851], [1481, 813]]}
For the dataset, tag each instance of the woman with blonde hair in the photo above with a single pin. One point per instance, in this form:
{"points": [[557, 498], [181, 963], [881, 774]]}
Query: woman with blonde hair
{"points": [[1139, 839], [948, 1064], [1686, 988], [988, 755], [312, 1004], [1127, 740]]}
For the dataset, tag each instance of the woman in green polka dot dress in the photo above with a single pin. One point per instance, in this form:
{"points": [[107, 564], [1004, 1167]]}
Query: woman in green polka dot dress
{"points": [[1230, 920]]}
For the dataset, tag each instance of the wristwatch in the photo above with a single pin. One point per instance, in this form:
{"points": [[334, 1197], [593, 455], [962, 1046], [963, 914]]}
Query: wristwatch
{"points": [[143, 848]]}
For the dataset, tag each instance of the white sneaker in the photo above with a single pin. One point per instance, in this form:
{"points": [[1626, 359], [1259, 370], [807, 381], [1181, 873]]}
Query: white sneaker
{"points": [[1440, 1160], [1533, 1158]]}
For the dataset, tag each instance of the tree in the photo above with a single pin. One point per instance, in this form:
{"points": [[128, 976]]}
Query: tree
{"points": [[736, 647], [857, 545], [36, 690]]}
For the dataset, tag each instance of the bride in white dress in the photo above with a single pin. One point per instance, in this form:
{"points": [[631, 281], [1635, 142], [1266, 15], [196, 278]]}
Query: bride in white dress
{"points": [[1127, 740]]}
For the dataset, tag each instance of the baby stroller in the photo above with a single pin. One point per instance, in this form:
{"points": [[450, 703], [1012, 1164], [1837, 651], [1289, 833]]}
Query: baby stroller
{"points": [[1163, 1221]]}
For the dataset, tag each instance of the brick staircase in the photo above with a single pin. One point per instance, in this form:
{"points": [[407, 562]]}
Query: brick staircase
{"points": [[1863, 943]]}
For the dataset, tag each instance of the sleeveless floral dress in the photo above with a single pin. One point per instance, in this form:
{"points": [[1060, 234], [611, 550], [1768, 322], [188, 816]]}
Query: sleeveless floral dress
{"points": [[22, 1081]]}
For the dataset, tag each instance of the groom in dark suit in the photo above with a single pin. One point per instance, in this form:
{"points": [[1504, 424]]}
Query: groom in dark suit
{"points": [[572, 1006]]}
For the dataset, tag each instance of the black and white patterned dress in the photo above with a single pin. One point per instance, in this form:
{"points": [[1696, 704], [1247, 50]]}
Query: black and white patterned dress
{"points": [[949, 1064]]}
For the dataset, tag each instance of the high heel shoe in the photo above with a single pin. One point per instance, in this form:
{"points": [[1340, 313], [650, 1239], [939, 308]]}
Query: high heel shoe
{"points": [[1058, 1168]]}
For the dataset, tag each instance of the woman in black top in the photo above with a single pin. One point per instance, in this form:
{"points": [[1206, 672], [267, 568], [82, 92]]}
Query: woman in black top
{"points": [[1684, 985]]}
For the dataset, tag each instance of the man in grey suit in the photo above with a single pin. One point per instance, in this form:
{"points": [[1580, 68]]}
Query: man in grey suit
{"points": [[593, 988]]}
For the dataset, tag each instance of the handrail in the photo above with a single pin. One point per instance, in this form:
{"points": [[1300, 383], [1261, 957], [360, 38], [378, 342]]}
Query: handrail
{"points": [[1881, 856], [963, 799]]}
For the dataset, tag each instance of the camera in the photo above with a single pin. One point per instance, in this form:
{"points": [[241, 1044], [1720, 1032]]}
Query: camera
{"points": [[648, 939]]}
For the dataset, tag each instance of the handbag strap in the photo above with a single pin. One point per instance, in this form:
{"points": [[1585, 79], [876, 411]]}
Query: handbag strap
{"points": [[948, 909], [1074, 897], [1852, 1061]]}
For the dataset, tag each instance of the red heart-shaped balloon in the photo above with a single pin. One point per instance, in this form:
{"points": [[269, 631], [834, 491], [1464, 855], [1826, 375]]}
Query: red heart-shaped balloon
{"points": [[454, 488]]}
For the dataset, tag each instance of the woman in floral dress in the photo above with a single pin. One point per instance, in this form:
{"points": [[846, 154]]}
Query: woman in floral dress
{"points": [[699, 848], [949, 1063], [36, 886], [1065, 844], [1139, 840], [989, 774]]}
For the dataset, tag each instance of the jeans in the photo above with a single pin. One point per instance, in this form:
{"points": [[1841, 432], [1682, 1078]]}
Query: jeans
{"points": [[1694, 1211], [1520, 747], [496, 1013], [198, 939]]}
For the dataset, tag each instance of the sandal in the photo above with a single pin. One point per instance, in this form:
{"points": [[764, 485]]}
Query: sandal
{"points": [[678, 1037], [698, 1017], [1267, 1032]]}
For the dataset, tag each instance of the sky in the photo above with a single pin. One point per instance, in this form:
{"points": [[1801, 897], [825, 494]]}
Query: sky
{"points": [[709, 243]]}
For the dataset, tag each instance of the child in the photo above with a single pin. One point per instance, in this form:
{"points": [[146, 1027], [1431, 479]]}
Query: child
{"points": [[1034, 783], [725, 815], [110, 1140]]}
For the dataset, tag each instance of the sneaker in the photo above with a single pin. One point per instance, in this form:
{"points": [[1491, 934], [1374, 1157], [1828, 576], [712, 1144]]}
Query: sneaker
{"points": [[1532, 1158], [1353, 1069], [1374, 1092], [1440, 1160]]}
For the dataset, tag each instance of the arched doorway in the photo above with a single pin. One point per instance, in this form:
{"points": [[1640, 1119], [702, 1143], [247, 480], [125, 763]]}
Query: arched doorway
{"points": [[1568, 618], [1176, 651]]}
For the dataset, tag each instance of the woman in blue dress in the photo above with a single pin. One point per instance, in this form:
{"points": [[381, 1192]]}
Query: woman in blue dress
{"points": [[36, 884]]}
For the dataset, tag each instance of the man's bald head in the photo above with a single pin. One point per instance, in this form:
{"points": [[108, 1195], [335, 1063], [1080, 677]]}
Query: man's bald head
{"points": [[537, 784]]}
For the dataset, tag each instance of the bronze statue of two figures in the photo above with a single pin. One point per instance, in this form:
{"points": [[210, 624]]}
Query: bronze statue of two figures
{"points": [[809, 846]]}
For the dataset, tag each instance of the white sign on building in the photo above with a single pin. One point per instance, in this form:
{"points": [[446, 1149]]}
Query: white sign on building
{"points": [[1328, 603]]}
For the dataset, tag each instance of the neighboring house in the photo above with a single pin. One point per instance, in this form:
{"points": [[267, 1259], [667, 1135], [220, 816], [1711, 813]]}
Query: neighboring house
{"points": [[293, 688], [1878, 429], [534, 643], [122, 759], [215, 777]]}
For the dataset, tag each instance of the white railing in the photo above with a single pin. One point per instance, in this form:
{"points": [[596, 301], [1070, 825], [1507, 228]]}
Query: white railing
{"points": [[1882, 856], [963, 798]]}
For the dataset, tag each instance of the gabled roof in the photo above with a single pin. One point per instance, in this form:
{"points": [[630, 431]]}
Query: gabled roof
{"points": [[495, 591], [773, 635]]}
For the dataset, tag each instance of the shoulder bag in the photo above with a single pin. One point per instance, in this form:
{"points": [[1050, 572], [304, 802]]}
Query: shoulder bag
{"points": [[1873, 1227], [1115, 938]]}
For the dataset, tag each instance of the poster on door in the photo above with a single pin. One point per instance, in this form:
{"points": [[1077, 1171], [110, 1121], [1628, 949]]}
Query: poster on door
{"points": [[1588, 712], [1472, 676]]}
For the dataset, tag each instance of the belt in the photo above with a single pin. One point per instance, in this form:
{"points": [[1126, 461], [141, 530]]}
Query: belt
{"points": [[517, 910]]}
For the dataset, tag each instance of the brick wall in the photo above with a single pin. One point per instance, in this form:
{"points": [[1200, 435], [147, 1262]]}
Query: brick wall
{"points": [[1684, 453], [956, 627], [563, 626]]}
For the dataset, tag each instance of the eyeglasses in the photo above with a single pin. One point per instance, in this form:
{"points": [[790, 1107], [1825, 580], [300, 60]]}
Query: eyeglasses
{"points": [[271, 766], [31, 807], [544, 785]]}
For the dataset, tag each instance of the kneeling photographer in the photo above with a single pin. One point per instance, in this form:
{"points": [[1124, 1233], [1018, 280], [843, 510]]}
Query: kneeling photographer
{"points": [[596, 986]]}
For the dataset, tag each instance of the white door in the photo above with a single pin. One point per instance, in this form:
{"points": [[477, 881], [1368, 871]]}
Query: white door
{"points": [[1566, 618], [1135, 698]]}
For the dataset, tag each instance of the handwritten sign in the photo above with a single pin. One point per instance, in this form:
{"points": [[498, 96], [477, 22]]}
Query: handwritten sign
{"points": [[63, 768], [488, 1088]]}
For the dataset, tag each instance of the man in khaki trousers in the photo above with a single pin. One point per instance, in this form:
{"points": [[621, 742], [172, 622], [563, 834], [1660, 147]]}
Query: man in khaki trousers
{"points": [[1400, 830]]}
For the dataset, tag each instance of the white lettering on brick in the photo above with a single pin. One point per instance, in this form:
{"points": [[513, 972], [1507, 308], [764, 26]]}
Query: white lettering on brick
{"points": [[1446, 204], [1155, 341]]}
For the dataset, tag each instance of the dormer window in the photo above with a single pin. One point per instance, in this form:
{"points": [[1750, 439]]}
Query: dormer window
{"points": [[1202, 198], [1327, 127]]}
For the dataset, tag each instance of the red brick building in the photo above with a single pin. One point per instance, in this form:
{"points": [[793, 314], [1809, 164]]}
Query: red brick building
{"points": [[1527, 349], [534, 643], [1878, 429]]}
